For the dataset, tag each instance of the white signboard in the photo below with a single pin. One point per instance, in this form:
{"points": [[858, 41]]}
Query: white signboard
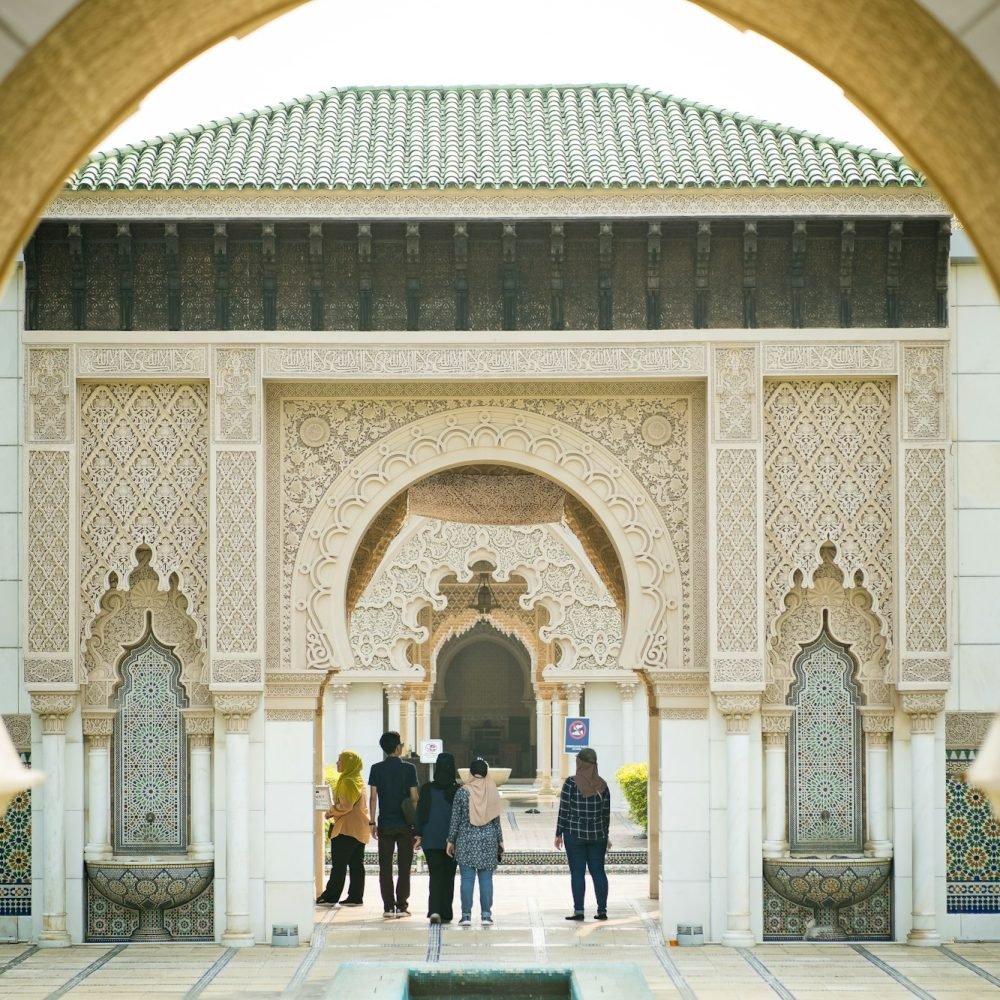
{"points": [[429, 750], [322, 797]]}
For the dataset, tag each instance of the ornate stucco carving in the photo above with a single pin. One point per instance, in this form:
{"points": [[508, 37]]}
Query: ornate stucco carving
{"points": [[139, 362], [289, 715], [924, 670], [583, 618], [236, 386], [737, 608], [238, 670], [19, 730], [924, 380], [237, 707], [683, 714], [851, 621], [525, 430], [835, 359], [521, 361], [144, 481], [462, 621], [738, 671], [925, 574], [48, 516], [464, 204], [101, 724], [236, 551], [50, 385], [828, 476], [966, 730], [874, 720], [738, 710], [121, 622], [735, 397], [48, 670], [923, 708]]}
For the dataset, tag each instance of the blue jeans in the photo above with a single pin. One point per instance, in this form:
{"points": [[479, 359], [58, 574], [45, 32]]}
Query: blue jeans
{"points": [[584, 854], [469, 875]]}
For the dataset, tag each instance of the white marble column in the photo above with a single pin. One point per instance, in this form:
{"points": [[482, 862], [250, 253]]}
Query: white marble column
{"points": [[877, 728], [97, 731], [200, 744], [237, 709], [574, 692], [543, 740], [775, 724], [53, 708], [425, 715], [393, 694], [557, 739], [923, 708], [339, 693], [738, 709], [626, 692], [410, 737]]}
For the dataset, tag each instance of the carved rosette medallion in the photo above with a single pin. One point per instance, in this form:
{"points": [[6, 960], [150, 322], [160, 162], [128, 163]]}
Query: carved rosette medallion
{"points": [[19, 730]]}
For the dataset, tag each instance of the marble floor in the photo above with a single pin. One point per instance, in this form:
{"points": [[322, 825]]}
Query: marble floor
{"points": [[529, 930]]}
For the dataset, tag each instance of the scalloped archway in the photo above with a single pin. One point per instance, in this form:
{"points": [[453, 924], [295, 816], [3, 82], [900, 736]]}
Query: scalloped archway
{"points": [[583, 467]]}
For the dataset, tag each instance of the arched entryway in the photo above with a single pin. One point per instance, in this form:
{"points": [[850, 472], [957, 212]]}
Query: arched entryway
{"points": [[484, 701]]}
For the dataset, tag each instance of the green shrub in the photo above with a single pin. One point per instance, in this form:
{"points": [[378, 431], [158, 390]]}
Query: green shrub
{"points": [[634, 780]]}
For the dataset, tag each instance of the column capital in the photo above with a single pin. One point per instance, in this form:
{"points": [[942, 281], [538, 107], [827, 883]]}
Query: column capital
{"points": [[573, 691], [198, 722], [737, 709], [393, 691], [922, 707], [53, 707], [237, 707], [199, 741], [626, 689], [339, 692], [877, 720], [98, 724], [777, 721]]}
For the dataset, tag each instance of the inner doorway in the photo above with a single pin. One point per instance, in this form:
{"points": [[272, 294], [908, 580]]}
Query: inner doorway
{"points": [[487, 704]]}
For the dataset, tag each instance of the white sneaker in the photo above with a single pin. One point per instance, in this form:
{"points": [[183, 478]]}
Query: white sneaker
{"points": [[466, 920], [389, 914], [487, 918]]}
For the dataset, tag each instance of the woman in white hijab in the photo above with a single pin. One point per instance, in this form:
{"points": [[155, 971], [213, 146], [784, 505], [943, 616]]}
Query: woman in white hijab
{"points": [[475, 839]]}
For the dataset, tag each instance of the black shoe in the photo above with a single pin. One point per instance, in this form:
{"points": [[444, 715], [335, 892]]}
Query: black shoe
{"points": [[323, 901], [600, 915], [576, 916], [352, 902]]}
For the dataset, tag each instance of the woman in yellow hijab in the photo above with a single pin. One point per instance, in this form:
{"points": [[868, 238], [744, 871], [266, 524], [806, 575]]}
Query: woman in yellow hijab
{"points": [[348, 835]]}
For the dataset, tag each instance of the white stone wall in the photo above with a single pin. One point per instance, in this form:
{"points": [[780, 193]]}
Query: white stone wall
{"points": [[975, 323]]}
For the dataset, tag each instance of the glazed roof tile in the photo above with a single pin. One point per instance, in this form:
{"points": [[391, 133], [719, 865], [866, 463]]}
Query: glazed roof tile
{"points": [[606, 136]]}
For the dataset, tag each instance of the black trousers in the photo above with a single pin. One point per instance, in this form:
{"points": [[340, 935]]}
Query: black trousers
{"points": [[346, 853], [390, 839], [441, 870]]}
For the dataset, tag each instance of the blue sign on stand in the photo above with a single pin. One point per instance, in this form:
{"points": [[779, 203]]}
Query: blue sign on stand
{"points": [[577, 733]]}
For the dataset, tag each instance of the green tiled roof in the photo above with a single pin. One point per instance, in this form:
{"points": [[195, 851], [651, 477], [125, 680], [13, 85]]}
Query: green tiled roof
{"points": [[604, 136]]}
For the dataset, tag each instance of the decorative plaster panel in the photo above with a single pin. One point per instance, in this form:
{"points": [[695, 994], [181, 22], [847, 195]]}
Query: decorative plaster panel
{"points": [[737, 606], [924, 377], [738, 672], [49, 625], [834, 359], [925, 574], [236, 671], [236, 551], [828, 468], [50, 385], [19, 730], [237, 386], [483, 362], [142, 362], [736, 392], [966, 730], [48, 670], [144, 481]]}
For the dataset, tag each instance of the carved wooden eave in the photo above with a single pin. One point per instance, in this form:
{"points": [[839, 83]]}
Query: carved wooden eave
{"points": [[555, 205]]}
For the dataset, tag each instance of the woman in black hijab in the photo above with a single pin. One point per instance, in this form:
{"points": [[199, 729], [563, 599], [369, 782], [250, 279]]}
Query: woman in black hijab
{"points": [[433, 820]]}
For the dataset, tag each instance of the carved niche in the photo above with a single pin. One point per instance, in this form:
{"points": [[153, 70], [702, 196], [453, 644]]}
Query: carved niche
{"points": [[848, 615], [123, 619]]}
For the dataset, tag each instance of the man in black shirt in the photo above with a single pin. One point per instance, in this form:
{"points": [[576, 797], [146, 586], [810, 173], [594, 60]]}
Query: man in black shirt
{"points": [[391, 782]]}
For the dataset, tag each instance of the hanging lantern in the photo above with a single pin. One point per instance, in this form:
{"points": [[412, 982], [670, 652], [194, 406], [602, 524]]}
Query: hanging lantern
{"points": [[485, 600], [14, 776]]}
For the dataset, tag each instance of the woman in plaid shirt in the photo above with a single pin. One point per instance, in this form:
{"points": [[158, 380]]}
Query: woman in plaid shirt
{"points": [[583, 824]]}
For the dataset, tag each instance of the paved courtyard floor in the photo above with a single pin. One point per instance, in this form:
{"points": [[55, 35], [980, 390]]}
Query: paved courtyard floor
{"points": [[530, 930]]}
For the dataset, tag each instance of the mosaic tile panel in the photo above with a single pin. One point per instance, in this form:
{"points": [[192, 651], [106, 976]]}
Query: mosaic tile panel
{"points": [[15, 854], [972, 841], [825, 752], [150, 807], [110, 923], [869, 920]]}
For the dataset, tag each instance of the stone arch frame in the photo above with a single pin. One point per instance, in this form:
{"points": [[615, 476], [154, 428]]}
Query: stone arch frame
{"points": [[846, 613], [506, 626], [652, 632], [509, 640], [122, 621]]}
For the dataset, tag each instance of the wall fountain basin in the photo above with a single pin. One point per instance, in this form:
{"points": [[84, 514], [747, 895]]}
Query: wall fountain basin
{"points": [[826, 886], [500, 775], [150, 886]]}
